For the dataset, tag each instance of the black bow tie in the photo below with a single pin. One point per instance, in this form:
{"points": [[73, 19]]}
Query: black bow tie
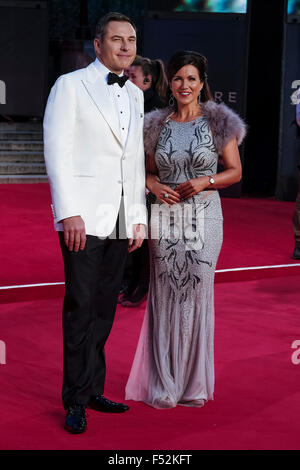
{"points": [[114, 78]]}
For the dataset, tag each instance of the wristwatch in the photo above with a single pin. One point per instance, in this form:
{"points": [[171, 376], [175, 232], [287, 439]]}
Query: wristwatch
{"points": [[211, 180]]}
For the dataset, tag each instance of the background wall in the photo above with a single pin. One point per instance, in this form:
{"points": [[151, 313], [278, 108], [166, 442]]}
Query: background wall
{"points": [[254, 67], [23, 56]]}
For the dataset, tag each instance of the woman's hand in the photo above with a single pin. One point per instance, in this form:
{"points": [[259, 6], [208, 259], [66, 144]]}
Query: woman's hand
{"points": [[165, 194], [161, 190], [192, 187]]}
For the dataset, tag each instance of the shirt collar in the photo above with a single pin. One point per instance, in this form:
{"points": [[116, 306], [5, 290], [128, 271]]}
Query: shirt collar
{"points": [[104, 71]]}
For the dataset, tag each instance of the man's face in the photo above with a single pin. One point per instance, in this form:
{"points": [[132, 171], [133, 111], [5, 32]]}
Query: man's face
{"points": [[118, 49]]}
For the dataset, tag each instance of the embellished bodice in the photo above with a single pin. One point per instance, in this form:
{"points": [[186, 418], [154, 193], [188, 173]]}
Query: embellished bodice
{"points": [[185, 150]]}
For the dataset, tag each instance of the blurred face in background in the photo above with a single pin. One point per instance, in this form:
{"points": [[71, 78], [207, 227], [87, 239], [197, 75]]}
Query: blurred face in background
{"points": [[137, 77]]}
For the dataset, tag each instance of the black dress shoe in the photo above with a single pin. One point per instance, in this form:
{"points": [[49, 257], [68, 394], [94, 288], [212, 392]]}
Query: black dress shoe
{"points": [[100, 403], [124, 286], [296, 253], [135, 299], [75, 419], [126, 292]]}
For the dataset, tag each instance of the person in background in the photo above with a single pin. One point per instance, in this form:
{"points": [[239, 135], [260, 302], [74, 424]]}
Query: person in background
{"points": [[296, 216], [149, 75]]}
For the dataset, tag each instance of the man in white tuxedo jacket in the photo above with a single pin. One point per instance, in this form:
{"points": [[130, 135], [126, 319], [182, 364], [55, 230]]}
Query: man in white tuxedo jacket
{"points": [[95, 162]]}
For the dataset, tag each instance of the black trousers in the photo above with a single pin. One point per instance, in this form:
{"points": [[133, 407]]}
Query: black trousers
{"points": [[140, 268], [93, 277], [137, 268], [296, 215]]}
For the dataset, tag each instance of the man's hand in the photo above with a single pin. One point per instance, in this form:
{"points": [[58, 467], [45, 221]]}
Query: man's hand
{"points": [[139, 234], [74, 233]]}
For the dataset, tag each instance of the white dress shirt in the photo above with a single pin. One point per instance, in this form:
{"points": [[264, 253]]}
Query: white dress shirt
{"points": [[120, 98]]}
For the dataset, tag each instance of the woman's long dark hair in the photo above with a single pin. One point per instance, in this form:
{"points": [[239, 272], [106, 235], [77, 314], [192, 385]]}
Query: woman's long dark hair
{"points": [[182, 58], [156, 69]]}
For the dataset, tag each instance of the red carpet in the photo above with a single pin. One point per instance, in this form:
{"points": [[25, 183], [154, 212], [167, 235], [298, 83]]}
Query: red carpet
{"points": [[257, 232], [257, 394]]}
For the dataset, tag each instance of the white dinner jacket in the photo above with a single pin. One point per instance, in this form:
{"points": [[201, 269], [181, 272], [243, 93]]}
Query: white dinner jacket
{"points": [[87, 164]]}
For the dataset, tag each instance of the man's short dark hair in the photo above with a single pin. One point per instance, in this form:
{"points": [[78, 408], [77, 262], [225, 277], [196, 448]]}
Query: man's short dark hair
{"points": [[104, 20]]}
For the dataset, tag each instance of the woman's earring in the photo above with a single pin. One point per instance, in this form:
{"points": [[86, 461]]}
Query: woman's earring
{"points": [[171, 100], [199, 98]]}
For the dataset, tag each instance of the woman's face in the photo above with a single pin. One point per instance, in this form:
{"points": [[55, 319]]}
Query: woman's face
{"points": [[186, 85], [137, 77]]}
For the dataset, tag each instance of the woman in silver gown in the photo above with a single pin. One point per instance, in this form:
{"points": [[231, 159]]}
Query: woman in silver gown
{"points": [[174, 360]]}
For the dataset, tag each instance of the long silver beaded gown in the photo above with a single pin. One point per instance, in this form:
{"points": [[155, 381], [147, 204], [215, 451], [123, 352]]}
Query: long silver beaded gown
{"points": [[174, 360]]}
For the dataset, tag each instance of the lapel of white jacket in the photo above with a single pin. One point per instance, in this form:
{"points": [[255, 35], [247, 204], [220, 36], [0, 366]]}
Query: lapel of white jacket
{"points": [[98, 92], [134, 114]]}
